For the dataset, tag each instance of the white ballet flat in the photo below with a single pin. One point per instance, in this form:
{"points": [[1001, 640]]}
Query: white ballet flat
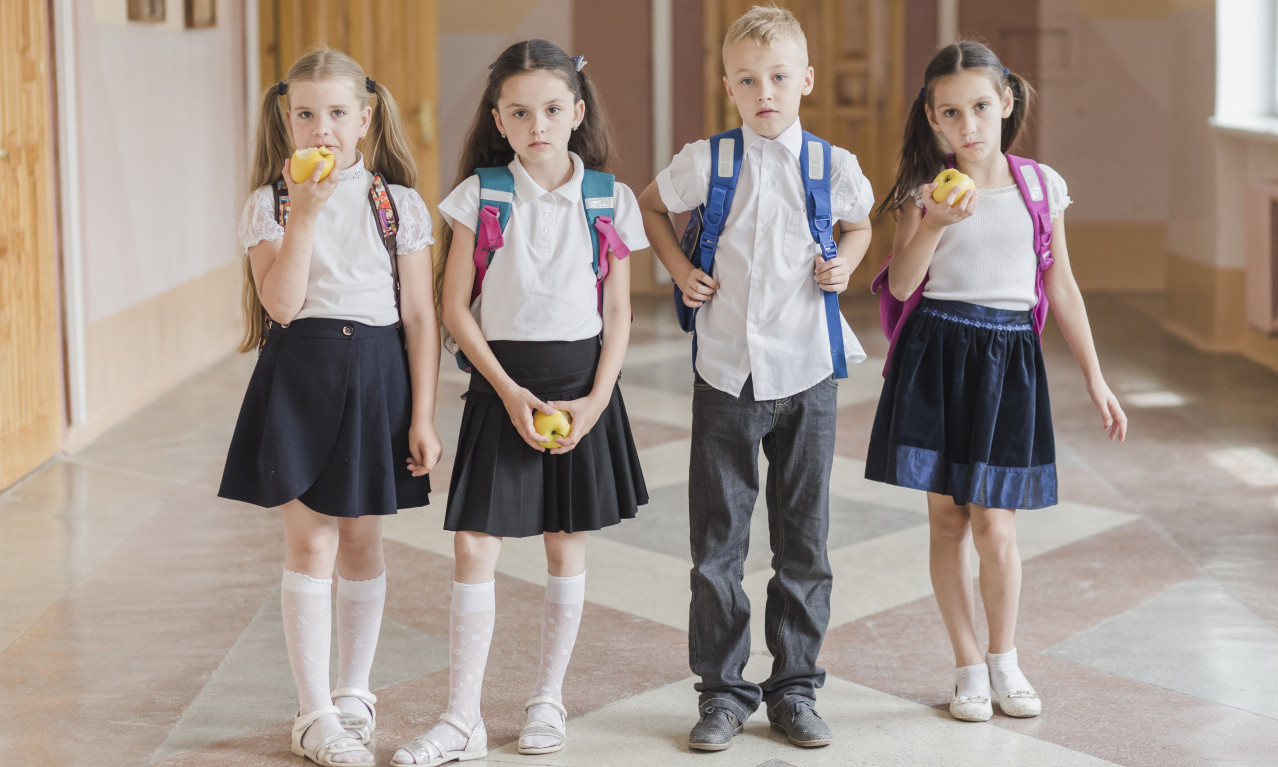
{"points": [[971, 708], [322, 753], [1019, 703], [361, 727], [421, 747], [537, 727]]}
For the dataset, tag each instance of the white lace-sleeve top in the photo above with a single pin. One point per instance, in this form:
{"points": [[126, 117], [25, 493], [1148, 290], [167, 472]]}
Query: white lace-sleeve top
{"points": [[350, 275]]}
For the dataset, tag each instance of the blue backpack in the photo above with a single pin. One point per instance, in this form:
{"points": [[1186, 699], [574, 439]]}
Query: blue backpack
{"points": [[701, 237], [497, 192]]}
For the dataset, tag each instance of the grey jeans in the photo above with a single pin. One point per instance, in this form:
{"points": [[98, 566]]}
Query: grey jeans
{"points": [[797, 435]]}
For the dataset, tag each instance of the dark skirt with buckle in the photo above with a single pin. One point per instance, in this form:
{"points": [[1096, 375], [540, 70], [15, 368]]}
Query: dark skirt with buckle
{"points": [[325, 420], [503, 487], [965, 411]]}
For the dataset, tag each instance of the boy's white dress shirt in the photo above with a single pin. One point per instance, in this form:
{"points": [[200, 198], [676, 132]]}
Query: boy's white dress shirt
{"points": [[767, 320]]}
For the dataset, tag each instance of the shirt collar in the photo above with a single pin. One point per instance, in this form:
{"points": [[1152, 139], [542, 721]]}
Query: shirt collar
{"points": [[791, 138], [527, 189], [356, 171]]}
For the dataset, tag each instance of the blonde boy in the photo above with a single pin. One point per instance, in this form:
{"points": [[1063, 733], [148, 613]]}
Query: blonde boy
{"points": [[764, 376]]}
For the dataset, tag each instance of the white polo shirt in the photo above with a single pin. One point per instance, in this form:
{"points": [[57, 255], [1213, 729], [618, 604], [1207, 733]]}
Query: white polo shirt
{"points": [[540, 285], [767, 320]]}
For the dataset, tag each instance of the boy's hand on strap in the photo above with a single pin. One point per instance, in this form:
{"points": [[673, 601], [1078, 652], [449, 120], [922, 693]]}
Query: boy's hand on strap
{"points": [[697, 287], [585, 414], [520, 404], [833, 275]]}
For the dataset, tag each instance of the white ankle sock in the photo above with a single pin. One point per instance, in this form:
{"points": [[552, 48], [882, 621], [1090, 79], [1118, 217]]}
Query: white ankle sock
{"points": [[561, 617], [972, 681], [1005, 672], [359, 622]]}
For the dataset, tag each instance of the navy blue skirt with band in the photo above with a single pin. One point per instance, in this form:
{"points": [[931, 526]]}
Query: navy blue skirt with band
{"points": [[325, 420], [503, 487], [965, 411]]}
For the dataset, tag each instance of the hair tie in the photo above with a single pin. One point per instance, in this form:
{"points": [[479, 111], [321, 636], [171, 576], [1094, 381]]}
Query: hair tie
{"points": [[579, 61], [370, 84], [490, 66], [1006, 72], [923, 92], [281, 88]]}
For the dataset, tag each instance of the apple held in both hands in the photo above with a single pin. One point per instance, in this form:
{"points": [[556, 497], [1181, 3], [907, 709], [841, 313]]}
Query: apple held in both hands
{"points": [[950, 179], [557, 425], [305, 160]]}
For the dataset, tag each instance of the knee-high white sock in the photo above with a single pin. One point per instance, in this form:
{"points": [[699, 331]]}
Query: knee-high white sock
{"points": [[1005, 672], [473, 613], [307, 607], [561, 617], [359, 622]]}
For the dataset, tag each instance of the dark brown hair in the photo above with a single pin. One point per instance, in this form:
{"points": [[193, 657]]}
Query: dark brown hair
{"points": [[921, 155]]}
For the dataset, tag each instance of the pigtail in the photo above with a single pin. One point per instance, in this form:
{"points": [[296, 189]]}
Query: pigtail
{"points": [[592, 141], [387, 146], [1015, 123], [921, 157], [272, 145]]}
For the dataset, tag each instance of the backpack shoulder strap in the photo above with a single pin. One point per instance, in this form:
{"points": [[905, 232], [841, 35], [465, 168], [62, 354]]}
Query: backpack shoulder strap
{"points": [[1029, 178], [281, 201], [814, 165], [598, 198], [725, 166], [387, 217], [496, 193]]}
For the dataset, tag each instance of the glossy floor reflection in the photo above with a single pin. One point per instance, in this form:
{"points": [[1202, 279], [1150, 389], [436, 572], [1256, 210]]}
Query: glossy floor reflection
{"points": [[139, 615]]}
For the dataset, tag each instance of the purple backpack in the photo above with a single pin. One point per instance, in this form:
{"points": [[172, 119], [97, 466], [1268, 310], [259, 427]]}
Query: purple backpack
{"points": [[1029, 178]]}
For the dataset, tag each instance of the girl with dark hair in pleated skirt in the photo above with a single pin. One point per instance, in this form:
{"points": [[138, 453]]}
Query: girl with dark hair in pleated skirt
{"points": [[964, 413], [336, 429], [543, 338]]}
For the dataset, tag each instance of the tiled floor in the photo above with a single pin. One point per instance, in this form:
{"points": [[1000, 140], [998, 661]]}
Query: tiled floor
{"points": [[139, 614]]}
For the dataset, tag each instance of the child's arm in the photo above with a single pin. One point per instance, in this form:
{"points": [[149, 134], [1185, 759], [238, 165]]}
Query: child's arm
{"points": [[459, 276], [616, 335], [854, 240], [697, 286], [417, 312], [282, 268], [917, 236], [1066, 302]]}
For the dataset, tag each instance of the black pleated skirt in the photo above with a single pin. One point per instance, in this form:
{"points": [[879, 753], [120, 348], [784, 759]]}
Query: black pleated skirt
{"points": [[965, 410], [325, 420], [502, 487]]}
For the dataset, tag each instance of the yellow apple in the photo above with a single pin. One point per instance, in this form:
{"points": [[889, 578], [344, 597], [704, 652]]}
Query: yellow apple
{"points": [[949, 179], [556, 426], [305, 160]]}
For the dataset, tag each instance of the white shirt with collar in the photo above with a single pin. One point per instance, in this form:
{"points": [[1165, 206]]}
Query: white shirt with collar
{"points": [[540, 285], [767, 320]]}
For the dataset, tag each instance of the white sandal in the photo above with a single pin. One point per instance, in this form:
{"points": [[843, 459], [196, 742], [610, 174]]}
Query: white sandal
{"points": [[322, 753], [537, 727], [421, 747], [361, 727], [1019, 703], [971, 708]]}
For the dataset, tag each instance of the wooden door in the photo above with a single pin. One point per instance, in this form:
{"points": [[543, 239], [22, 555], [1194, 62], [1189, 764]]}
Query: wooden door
{"points": [[857, 48], [30, 352], [393, 41]]}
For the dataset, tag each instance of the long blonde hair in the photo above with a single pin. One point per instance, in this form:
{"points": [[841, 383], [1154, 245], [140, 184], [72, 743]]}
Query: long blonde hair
{"points": [[386, 148]]}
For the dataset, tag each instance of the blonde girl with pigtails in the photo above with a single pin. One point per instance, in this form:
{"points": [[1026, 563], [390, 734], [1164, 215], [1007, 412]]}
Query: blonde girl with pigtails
{"points": [[336, 429]]}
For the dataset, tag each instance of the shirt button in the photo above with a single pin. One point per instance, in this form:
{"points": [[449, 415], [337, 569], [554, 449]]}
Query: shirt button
{"points": [[545, 230], [347, 330]]}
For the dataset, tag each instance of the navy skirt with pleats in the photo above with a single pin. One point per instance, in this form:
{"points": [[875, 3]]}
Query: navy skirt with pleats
{"points": [[325, 420], [503, 487], [965, 411]]}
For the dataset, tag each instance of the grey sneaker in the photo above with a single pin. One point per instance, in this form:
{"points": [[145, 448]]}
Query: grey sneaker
{"points": [[803, 725], [715, 730]]}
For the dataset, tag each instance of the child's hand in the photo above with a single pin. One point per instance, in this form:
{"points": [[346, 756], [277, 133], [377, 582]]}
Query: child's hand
{"points": [[1113, 419], [697, 288], [940, 214], [520, 404], [424, 448], [308, 198], [585, 414], [833, 275]]}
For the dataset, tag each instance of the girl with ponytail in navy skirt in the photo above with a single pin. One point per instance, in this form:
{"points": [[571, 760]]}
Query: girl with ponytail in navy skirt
{"points": [[964, 413]]}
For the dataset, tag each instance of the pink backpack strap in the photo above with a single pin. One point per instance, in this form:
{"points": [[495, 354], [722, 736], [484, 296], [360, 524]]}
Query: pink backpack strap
{"points": [[487, 241], [1030, 180], [608, 240]]}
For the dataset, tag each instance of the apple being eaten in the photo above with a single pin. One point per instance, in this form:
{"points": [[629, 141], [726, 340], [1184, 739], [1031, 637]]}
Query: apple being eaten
{"points": [[305, 160], [556, 426], [950, 179]]}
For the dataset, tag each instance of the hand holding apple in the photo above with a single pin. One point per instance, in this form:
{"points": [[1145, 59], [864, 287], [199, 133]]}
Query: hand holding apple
{"points": [[306, 160], [949, 179], [556, 426]]}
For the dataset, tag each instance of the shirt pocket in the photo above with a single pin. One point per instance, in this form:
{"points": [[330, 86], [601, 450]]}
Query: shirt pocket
{"points": [[797, 246]]}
